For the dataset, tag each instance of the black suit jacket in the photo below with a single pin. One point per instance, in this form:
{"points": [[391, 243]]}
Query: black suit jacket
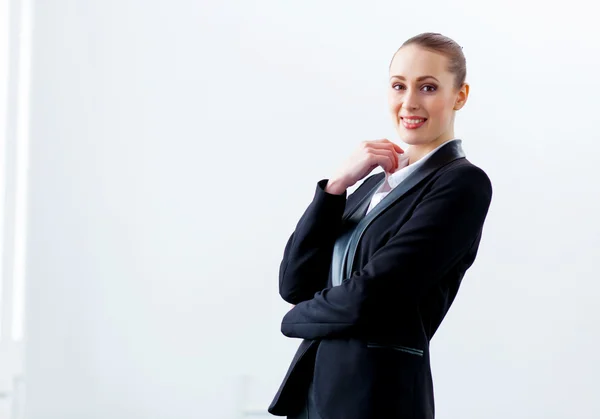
{"points": [[366, 341]]}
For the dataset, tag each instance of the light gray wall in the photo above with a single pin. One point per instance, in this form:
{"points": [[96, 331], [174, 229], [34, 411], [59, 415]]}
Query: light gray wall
{"points": [[175, 144]]}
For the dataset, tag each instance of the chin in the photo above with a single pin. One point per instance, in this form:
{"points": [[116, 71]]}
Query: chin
{"points": [[412, 139]]}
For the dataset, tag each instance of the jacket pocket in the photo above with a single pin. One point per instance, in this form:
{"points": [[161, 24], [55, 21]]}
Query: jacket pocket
{"points": [[406, 349]]}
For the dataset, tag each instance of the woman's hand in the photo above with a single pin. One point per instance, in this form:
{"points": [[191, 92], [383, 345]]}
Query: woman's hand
{"points": [[365, 158]]}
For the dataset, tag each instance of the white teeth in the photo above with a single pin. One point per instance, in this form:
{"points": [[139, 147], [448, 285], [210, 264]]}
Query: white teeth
{"points": [[413, 121]]}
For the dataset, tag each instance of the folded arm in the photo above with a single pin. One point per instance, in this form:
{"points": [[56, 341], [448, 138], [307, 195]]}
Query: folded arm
{"points": [[440, 232], [305, 265], [306, 261]]}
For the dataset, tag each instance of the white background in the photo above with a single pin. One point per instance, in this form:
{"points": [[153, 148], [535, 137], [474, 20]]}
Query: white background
{"points": [[174, 145]]}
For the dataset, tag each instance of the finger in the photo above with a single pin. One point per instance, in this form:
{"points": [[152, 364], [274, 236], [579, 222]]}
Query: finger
{"points": [[383, 159], [389, 150], [398, 148], [388, 145], [385, 143], [389, 164]]}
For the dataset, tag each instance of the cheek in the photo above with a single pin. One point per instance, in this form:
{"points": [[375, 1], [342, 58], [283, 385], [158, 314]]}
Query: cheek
{"points": [[392, 101], [439, 110], [393, 106]]}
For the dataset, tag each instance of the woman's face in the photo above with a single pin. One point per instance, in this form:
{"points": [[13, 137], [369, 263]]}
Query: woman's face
{"points": [[421, 87]]}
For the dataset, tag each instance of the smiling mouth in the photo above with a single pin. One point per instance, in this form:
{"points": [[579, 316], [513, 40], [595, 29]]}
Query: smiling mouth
{"points": [[413, 123]]}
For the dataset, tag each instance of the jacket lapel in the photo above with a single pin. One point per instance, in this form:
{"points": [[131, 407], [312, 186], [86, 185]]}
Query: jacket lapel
{"points": [[359, 208]]}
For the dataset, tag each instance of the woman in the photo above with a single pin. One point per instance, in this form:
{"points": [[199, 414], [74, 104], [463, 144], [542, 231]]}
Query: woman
{"points": [[365, 352]]}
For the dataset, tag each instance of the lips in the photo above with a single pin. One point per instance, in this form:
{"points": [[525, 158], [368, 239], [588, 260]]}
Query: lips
{"points": [[413, 122]]}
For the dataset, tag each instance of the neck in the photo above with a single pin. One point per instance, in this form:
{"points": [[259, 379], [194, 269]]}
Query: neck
{"points": [[418, 151]]}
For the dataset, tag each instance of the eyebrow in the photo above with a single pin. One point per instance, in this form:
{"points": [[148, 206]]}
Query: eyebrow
{"points": [[418, 78]]}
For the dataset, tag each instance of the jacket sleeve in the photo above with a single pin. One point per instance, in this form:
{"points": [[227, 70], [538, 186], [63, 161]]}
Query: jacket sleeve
{"points": [[306, 261], [440, 232]]}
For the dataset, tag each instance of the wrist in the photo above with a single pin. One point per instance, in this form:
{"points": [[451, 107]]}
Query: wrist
{"points": [[335, 187]]}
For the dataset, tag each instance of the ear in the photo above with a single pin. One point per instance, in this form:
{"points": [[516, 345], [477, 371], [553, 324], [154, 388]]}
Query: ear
{"points": [[461, 97]]}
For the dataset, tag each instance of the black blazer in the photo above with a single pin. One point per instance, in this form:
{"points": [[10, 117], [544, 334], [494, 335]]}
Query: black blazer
{"points": [[366, 341]]}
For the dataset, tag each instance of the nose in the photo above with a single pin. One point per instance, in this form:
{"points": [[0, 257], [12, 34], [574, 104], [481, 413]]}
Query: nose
{"points": [[411, 100]]}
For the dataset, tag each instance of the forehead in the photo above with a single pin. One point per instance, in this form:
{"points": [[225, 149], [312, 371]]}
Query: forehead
{"points": [[413, 61]]}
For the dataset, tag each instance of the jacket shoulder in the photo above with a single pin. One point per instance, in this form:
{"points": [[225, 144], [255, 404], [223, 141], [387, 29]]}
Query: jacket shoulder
{"points": [[463, 171], [463, 179]]}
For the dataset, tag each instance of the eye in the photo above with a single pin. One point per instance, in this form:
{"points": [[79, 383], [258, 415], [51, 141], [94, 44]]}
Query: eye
{"points": [[431, 87]]}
